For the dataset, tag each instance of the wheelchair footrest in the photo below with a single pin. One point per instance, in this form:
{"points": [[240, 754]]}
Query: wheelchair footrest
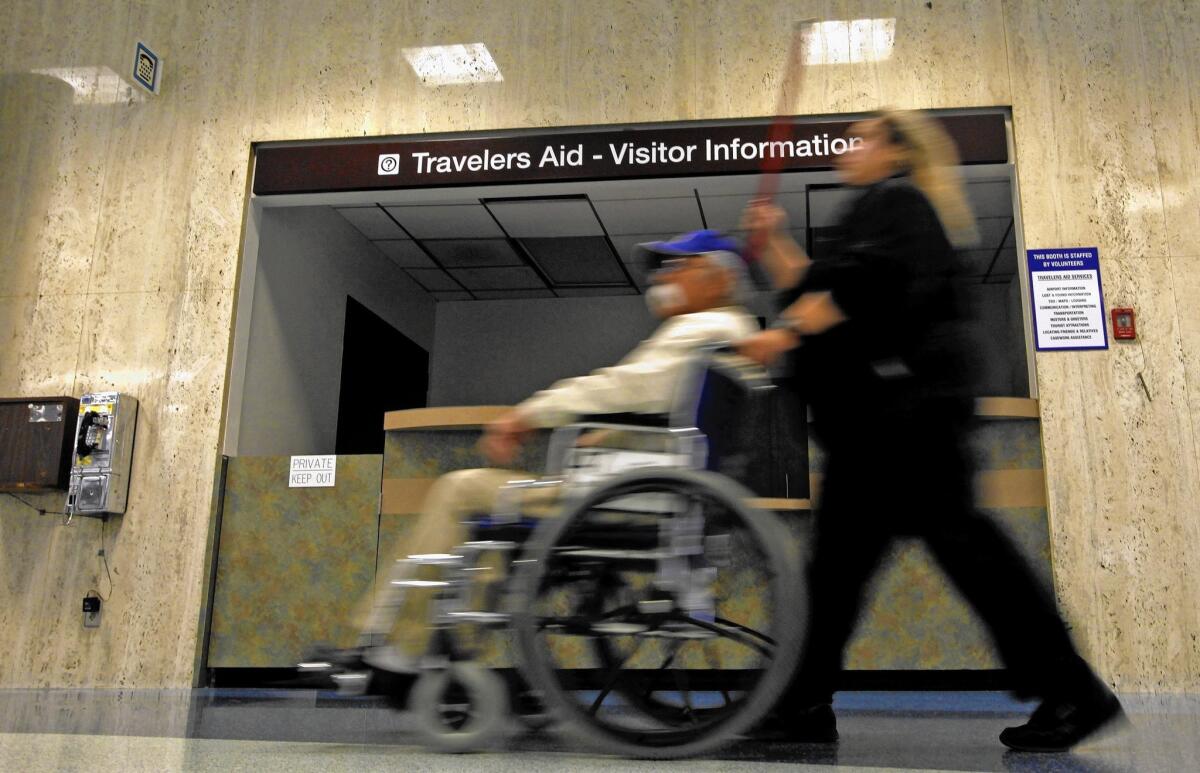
{"points": [[479, 618]]}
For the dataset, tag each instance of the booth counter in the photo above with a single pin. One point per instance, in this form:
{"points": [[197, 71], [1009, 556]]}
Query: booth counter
{"points": [[293, 562]]}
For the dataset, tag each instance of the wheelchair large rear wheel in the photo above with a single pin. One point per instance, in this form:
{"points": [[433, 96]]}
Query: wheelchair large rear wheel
{"points": [[661, 615]]}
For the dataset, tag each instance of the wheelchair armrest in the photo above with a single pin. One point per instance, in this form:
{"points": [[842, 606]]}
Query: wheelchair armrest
{"points": [[653, 420]]}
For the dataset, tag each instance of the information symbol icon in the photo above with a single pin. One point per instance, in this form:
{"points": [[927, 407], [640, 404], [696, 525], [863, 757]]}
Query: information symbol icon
{"points": [[389, 163]]}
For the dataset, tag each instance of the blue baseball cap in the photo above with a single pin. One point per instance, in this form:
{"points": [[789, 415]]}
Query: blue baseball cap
{"points": [[693, 243], [714, 244]]}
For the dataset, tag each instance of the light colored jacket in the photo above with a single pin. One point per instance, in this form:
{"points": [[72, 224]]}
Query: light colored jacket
{"points": [[647, 379]]}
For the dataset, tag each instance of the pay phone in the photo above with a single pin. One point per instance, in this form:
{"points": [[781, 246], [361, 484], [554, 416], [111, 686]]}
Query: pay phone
{"points": [[102, 454]]}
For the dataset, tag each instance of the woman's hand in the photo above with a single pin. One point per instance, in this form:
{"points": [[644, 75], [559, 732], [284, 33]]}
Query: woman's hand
{"points": [[784, 260], [761, 215], [814, 313], [503, 437], [765, 347]]}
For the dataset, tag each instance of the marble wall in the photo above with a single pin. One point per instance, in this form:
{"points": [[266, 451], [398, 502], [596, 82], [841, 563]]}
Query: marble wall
{"points": [[120, 225]]}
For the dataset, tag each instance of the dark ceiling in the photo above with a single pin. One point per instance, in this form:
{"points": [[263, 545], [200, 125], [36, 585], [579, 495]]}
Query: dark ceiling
{"points": [[481, 247]]}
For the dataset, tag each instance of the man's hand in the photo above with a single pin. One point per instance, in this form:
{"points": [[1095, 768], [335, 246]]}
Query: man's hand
{"points": [[765, 347], [503, 437], [814, 313]]}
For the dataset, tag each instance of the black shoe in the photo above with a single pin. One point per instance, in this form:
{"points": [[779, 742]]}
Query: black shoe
{"points": [[1057, 725], [815, 724]]}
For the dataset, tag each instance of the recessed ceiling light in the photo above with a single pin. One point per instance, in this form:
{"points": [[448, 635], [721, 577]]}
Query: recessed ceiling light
{"points": [[849, 42], [95, 85], [456, 64]]}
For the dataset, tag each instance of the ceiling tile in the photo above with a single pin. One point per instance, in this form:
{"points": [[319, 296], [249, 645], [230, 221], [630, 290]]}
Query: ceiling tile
{"points": [[498, 278], [992, 231], [434, 279], [990, 198], [577, 260], [625, 244], [503, 295], [638, 272], [1006, 262], [587, 292], [639, 216], [405, 253], [826, 205], [532, 218], [724, 213], [372, 222], [975, 262], [446, 221], [452, 296], [473, 253]]}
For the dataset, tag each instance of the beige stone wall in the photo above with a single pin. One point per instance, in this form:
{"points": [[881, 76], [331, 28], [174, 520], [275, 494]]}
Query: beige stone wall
{"points": [[120, 228]]}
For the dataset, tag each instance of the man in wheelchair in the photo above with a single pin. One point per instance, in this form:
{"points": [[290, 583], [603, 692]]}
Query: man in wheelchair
{"points": [[697, 283]]}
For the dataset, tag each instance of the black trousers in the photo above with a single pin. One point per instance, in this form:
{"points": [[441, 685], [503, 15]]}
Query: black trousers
{"points": [[911, 475]]}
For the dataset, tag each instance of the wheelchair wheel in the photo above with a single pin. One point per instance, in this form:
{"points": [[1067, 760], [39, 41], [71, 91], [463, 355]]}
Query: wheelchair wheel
{"points": [[661, 615], [461, 708]]}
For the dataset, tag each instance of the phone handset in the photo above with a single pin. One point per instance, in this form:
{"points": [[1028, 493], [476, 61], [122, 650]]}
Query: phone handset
{"points": [[91, 433]]}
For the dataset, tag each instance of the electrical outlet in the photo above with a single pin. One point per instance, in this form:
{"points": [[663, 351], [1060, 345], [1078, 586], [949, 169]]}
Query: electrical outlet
{"points": [[91, 612]]}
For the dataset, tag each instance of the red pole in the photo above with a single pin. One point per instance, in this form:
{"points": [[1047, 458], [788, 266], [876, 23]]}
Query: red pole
{"points": [[781, 126]]}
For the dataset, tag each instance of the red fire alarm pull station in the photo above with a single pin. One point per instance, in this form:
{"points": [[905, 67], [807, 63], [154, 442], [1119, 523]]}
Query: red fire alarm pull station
{"points": [[1124, 327]]}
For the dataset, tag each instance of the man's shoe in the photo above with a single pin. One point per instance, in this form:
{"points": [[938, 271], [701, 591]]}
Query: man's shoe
{"points": [[325, 658], [1057, 725], [815, 724]]}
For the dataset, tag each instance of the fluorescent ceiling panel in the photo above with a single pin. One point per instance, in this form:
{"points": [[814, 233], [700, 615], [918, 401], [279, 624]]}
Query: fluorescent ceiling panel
{"points": [[405, 253], [851, 41], [372, 222], [447, 221], [498, 278], [639, 216], [532, 218], [577, 260], [456, 64], [473, 253]]}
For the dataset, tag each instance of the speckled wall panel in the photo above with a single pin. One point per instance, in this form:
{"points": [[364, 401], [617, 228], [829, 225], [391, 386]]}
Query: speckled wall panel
{"points": [[915, 618], [120, 222], [293, 562]]}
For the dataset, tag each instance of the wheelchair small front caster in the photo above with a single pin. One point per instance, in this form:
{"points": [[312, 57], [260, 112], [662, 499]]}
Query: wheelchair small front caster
{"points": [[531, 711], [460, 708]]}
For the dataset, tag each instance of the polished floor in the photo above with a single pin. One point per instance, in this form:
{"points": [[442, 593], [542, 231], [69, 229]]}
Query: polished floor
{"points": [[305, 730]]}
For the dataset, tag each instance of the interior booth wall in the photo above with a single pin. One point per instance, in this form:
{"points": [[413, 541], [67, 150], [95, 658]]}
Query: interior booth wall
{"points": [[558, 338], [120, 220], [310, 259]]}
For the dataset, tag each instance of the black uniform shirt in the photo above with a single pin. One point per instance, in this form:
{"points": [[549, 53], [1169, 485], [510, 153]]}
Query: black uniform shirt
{"points": [[890, 270]]}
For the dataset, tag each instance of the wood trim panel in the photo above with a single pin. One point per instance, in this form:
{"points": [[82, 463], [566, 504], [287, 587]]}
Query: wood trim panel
{"points": [[456, 417]]}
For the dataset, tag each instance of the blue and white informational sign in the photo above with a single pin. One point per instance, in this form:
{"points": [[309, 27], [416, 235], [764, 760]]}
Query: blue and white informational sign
{"points": [[1068, 303], [147, 68]]}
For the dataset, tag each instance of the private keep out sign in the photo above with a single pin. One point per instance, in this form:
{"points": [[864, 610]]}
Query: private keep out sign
{"points": [[1068, 303], [312, 471]]}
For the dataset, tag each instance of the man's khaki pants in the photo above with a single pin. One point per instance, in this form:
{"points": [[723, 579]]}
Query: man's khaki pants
{"points": [[404, 615]]}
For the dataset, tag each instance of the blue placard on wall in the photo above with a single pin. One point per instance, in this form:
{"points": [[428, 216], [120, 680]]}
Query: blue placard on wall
{"points": [[1067, 299], [147, 70]]}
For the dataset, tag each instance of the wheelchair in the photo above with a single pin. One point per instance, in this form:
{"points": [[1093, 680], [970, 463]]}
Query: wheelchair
{"points": [[659, 615]]}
